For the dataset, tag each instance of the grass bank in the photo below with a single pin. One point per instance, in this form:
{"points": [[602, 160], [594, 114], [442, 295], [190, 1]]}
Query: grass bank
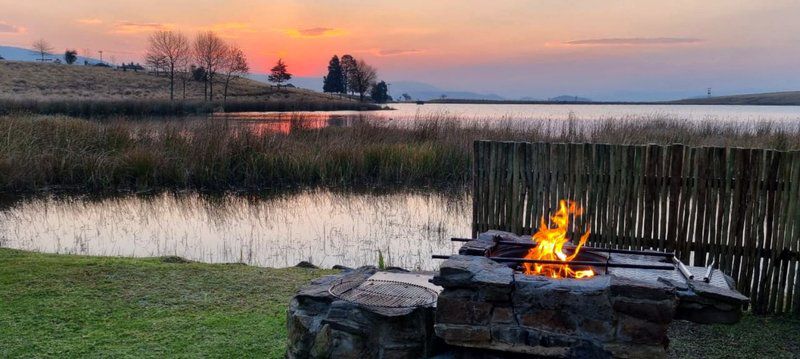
{"points": [[74, 306], [43, 152]]}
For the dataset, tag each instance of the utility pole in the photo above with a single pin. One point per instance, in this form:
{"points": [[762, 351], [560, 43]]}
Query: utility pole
{"points": [[709, 92], [101, 55]]}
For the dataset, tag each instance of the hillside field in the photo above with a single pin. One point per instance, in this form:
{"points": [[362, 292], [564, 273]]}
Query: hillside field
{"points": [[50, 81]]}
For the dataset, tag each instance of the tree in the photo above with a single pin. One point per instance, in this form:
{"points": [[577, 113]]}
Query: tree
{"points": [[235, 65], [334, 82], [278, 73], [42, 47], [171, 49], [157, 62], [361, 78], [70, 56], [209, 51], [348, 64], [406, 97], [380, 92]]}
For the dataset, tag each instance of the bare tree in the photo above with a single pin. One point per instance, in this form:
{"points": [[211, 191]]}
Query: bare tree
{"points": [[235, 65], [42, 47], [209, 52], [173, 49], [361, 77], [157, 62]]}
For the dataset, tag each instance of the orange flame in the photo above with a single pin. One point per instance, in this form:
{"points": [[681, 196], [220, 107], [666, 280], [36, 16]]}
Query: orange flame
{"points": [[551, 241]]}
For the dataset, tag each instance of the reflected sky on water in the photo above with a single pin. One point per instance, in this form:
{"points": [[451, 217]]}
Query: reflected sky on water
{"points": [[515, 115], [323, 227]]}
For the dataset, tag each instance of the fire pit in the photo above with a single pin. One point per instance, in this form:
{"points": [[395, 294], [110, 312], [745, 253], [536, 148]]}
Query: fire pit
{"points": [[544, 296], [505, 295]]}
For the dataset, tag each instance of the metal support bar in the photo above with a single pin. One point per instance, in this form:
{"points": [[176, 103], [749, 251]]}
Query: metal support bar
{"points": [[594, 249], [580, 263]]}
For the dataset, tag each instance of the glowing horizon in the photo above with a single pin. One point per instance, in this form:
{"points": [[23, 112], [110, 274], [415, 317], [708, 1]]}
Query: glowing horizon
{"points": [[524, 47]]}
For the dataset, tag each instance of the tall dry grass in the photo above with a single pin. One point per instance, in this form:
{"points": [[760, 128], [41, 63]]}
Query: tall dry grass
{"points": [[93, 108], [39, 152]]}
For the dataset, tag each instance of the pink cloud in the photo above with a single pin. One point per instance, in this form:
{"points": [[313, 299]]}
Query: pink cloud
{"points": [[397, 52], [6, 28], [635, 41], [315, 32], [130, 27]]}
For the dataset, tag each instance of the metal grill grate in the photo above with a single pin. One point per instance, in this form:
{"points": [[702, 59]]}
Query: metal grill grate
{"points": [[383, 293]]}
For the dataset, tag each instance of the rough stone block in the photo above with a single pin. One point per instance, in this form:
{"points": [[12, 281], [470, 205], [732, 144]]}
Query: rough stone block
{"points": [[549, 320], [661, 311], [653, 290], [456, 333], [509, 334], [459, 311], [503, 315]]}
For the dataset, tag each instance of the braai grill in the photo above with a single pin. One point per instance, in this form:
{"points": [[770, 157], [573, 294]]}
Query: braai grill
{"points": [[607, 263]]}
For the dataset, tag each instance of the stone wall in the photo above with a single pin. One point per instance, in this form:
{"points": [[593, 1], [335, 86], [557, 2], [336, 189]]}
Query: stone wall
{"points": [[322, 326], [485, 305]]}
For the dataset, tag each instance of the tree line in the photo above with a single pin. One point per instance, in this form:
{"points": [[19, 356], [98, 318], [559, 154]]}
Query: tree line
{"points": [[208, 58], [349, 75]]}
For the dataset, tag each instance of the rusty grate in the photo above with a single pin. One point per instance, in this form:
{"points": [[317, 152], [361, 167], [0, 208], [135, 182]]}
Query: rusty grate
{"points": [[379, 293]]}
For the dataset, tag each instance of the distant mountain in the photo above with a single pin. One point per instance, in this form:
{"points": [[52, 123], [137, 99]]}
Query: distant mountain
{"points": [[787, 98], [424, 92], [417, 90], [12, 53], [569, 98]]}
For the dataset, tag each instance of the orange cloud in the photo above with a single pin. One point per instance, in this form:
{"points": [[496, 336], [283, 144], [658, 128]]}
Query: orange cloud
{"points": [[6, 28], [89, 21], [397, 52], [315, 32], [129, 27], [634, 41]]}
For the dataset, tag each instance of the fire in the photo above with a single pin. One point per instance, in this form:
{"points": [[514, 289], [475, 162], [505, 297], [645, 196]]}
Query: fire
{"points": [[551, 241]]}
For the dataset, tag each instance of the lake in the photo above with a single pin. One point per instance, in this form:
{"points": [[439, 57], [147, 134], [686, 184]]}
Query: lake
{"points": [[521, 115], [324, 227], [279, 230]]}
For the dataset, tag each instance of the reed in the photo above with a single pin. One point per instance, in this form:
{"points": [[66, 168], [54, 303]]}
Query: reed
{"points": [[94, 108], [44, 152]]}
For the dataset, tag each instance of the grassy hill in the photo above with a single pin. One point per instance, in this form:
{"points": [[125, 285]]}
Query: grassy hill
{"points": [[787, 98], [30, 80]]}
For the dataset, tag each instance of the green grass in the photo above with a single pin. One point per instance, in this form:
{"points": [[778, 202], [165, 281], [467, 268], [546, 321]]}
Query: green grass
{"points": [[74, 306], [70, 306], [753, 337]]}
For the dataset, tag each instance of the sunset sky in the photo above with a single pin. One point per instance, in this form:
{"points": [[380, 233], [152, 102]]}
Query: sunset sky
{"points": [[605, 50]]}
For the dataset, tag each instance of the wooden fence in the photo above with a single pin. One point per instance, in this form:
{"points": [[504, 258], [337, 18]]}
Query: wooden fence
{"points": [[735, 206]]}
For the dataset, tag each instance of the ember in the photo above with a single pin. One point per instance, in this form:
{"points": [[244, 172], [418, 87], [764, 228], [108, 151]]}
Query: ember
{"points": [[550, 245]]}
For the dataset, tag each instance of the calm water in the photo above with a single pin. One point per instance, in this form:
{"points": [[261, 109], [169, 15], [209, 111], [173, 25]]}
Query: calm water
{"points": [[322, 227], [520, 114]]}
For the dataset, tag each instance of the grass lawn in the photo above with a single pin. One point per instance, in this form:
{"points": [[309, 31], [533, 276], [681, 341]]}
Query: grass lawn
{"points": [[70, 306], [73, 306]]}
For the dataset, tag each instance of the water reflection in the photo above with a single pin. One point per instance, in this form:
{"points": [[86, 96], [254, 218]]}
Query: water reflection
{"points": [[287, 122], [322, 227], [516, 115]]}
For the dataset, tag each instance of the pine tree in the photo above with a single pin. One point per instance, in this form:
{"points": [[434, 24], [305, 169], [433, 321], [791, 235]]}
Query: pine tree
{"points": [[334, 82], [380, 92], [278, 73], [348, 64]]}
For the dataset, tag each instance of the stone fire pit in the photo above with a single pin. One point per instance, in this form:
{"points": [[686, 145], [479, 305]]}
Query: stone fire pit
{"points": [[488, 309]]}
